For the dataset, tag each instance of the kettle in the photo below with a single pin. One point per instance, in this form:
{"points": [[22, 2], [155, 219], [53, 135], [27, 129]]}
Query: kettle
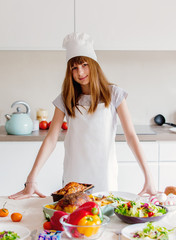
{"points": [[19, 123]]}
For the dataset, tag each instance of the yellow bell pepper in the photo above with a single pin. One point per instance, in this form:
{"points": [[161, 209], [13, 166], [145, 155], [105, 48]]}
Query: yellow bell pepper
{"points": [[89, 220]]}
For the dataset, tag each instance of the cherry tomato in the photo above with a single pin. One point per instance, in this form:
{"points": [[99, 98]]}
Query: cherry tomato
{"points": [[49, 124], [150, 214], [43, 125], [16, 217], [64, 126], [47, 225], [129, 204]]}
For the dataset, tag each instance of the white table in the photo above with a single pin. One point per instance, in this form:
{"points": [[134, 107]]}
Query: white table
{"points": [[33, 217]]}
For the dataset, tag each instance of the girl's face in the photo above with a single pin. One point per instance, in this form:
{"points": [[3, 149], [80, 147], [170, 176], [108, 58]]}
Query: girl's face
{"points": [[80, 74]]}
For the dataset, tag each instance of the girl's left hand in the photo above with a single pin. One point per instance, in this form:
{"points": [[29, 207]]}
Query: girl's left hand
{"points": [[149, 188]]}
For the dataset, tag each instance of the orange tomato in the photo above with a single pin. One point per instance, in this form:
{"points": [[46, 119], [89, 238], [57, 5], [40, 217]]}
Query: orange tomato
{"points": [[16, 217], [47, 225], [4, 212]]}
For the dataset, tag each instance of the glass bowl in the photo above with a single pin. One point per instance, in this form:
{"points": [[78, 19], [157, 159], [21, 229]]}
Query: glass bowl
{"points": [[90, 232]]}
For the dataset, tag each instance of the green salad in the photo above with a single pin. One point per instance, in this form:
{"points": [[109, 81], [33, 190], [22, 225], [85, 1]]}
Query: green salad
{"points": [[8, 235], [116, 199], [138, 209], [153, 232]]}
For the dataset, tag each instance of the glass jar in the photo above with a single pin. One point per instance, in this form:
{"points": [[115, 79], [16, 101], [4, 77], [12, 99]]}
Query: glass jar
{"points": [[42, 115]]}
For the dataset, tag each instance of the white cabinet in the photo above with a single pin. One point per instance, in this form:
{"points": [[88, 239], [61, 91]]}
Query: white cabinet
{"points": [[16, 160], [130, 175], [167, 151], [131, 178], [35, 24], [167, 164], [113, 24], [128, 25], [167, 176]]}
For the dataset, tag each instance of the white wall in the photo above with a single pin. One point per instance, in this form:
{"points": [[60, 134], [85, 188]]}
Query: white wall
{"points": [[36, 77]]}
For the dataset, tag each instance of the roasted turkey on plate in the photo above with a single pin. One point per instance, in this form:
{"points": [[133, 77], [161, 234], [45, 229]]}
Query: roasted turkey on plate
{"points": [[71, 202]]}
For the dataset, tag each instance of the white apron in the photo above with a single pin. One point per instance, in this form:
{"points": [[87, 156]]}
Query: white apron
{"points": [[90, 154]]}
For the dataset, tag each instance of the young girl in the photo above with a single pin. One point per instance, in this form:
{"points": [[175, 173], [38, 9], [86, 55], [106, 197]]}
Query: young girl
{"points": [[91, 106]]}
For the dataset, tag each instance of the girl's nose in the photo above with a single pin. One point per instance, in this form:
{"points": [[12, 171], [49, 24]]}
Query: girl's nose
{"points": [[80, 71]]}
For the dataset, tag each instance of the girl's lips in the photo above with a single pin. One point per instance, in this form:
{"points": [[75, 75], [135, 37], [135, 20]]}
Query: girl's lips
{"points": [[82, 78]]}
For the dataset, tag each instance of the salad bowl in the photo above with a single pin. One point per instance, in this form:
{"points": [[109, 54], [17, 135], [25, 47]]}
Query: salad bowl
{"points": [[135, 215]]}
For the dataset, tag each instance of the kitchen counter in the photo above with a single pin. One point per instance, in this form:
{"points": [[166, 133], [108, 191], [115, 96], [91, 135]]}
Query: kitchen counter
{"points": [[33, 217], [144, 132]]}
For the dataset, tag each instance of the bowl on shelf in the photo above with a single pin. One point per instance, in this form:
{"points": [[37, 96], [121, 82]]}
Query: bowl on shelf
{"points": [[90, 232]]}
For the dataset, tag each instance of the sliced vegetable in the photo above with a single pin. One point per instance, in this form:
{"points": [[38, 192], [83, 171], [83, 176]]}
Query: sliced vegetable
{"points": [[8, 235], [153, 232]]}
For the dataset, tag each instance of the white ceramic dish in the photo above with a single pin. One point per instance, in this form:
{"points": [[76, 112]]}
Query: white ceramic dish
{"points": [[125, 195], [48, 211], [173, 129], [108, 210], [129, 230], [23, 232]]}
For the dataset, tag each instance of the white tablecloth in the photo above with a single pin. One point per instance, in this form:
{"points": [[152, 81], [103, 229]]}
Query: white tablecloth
{"points": [[33, 217]]}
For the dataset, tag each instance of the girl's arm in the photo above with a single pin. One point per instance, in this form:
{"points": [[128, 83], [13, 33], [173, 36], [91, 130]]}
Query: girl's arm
{"points": [[45, 151], [135, 146]]}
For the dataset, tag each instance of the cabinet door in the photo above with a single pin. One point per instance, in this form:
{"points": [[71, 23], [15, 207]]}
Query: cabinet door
{"points": [[167, 151], [124, 153], [167, 164], [131, 179], [35, 24], [128, 25], [16, 161], [167, 175]]}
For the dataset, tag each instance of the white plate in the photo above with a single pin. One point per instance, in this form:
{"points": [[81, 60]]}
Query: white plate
{"points": [[173, 129], [125, 195], [23, 232], [129, 230]]}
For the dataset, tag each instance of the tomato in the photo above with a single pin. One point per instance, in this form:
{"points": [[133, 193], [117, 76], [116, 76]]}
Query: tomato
{"points": [[43, 125], [150, 214], [129, 204], [4, 212], [49, 124], [16, 217], [47, 225], [64, 126]]}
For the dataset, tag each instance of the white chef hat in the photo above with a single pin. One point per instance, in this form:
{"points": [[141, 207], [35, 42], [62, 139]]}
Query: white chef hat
{"points": [[79, 44]]}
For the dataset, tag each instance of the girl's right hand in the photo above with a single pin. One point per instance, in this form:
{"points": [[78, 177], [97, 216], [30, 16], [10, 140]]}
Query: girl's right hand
{"points": [[27, 192]]}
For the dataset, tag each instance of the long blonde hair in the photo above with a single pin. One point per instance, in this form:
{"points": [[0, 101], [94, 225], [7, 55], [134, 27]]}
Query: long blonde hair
{"points": [[99, 86]]}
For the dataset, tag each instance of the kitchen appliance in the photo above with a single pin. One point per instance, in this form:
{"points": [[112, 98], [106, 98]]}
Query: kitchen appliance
{"points": [[160, 120], [19, 123]]}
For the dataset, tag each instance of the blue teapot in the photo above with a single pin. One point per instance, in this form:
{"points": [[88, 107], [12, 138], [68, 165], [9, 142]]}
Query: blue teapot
{"points": [[19, 123]]}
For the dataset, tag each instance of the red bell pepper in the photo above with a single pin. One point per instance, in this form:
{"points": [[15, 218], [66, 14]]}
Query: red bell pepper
{"points": [[55, 220], [88, 208], [92, 207]]}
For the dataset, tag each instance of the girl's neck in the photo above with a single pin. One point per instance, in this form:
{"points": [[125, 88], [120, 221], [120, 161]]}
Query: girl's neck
{"points": [[86, 89]]}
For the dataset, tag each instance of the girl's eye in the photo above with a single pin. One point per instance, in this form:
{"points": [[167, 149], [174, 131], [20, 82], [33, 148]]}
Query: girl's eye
{"points": [[73, 68], [85, 64]]}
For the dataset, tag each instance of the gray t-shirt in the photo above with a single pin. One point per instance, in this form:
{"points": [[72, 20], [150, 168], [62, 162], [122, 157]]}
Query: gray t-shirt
{"points": [[117, 95]]}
